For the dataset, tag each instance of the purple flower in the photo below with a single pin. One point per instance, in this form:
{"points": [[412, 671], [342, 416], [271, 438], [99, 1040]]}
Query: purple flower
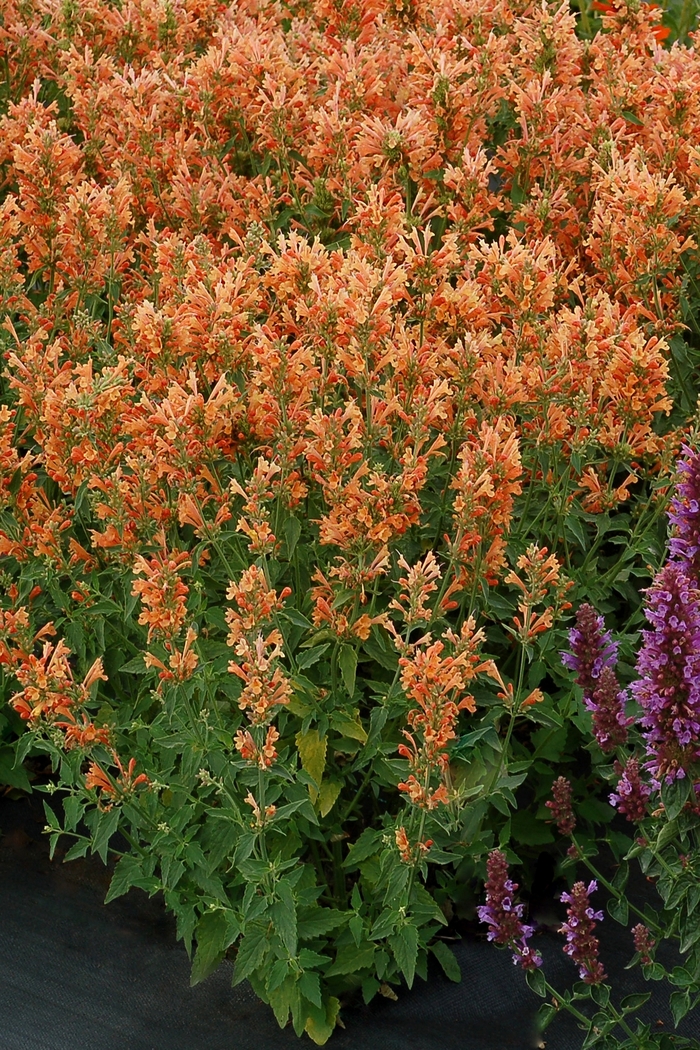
{"points": [[592, 649], [607, 705], [504, 917], [632, 793], [581, 944], [668, 666], [684, 515]]}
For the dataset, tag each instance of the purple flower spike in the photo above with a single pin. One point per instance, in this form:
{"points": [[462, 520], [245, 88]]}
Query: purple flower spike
{"points": [[504, 917], [581, 945], [684, 515], [607, 705], [592, 649], [632, 793], [668, 666]]}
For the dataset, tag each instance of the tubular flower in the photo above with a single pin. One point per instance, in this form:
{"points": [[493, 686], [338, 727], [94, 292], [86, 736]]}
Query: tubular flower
{"points": [[560, 805], [503, 917], [124, 784], [581, 945], [684, 516], [438, 686], [632, 794], [163, 593], [668, 665], [410, 854], [592, 649], [265, 686], [542, 576], [486, 483]]}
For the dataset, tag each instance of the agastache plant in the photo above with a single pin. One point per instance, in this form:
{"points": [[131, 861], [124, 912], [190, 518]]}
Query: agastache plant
{"points": [[668, 688], [581, 945], [684, 515], [503, 916], [593, 656]]}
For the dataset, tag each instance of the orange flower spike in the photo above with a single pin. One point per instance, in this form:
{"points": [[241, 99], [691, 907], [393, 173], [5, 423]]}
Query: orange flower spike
{"points": [[163, 592], [420, 584]]}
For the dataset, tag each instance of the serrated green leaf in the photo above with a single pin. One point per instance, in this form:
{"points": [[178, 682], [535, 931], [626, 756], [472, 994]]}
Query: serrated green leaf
{"points": [[312, 751], [351, 959], [404, 945], [311, 656], [126, 873], [135, 666], [212, 940], [12, 772], [328, 795], [348, 726], [447, 960], [107, 824], [284, 916], [310, 987], [251, 951], [347, 661]]}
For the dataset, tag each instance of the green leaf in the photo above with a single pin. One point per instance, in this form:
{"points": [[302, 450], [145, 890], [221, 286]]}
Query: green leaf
{"points": [[77, 850], [368, 844], [536, 982], [292, 532], [312, 751], [404, 945], [618, 909], [135, 666], [312, 656], [679, 1003], [447, 960], [351, 959], [350, 726], [12, 772], [126, 874], [690, 932], [251, 951], [347, 661], [310, 987], [320, 922], [107, 823], [212, 931], [330, 789], [633, 1002], [284, 915], [321, 1021]]}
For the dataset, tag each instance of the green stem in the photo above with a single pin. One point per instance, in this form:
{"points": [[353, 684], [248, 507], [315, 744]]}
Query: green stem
{"points": [[611, 889]]}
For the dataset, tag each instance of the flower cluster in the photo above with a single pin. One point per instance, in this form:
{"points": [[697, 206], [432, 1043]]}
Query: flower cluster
{"points": [[631, 794], [561, 807], [668, 665], [593, 656], [581, 944], [684, 515], [503, 917]]}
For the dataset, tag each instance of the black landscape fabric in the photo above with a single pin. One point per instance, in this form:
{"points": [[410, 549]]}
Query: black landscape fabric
{"points": [[78, 975]]}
